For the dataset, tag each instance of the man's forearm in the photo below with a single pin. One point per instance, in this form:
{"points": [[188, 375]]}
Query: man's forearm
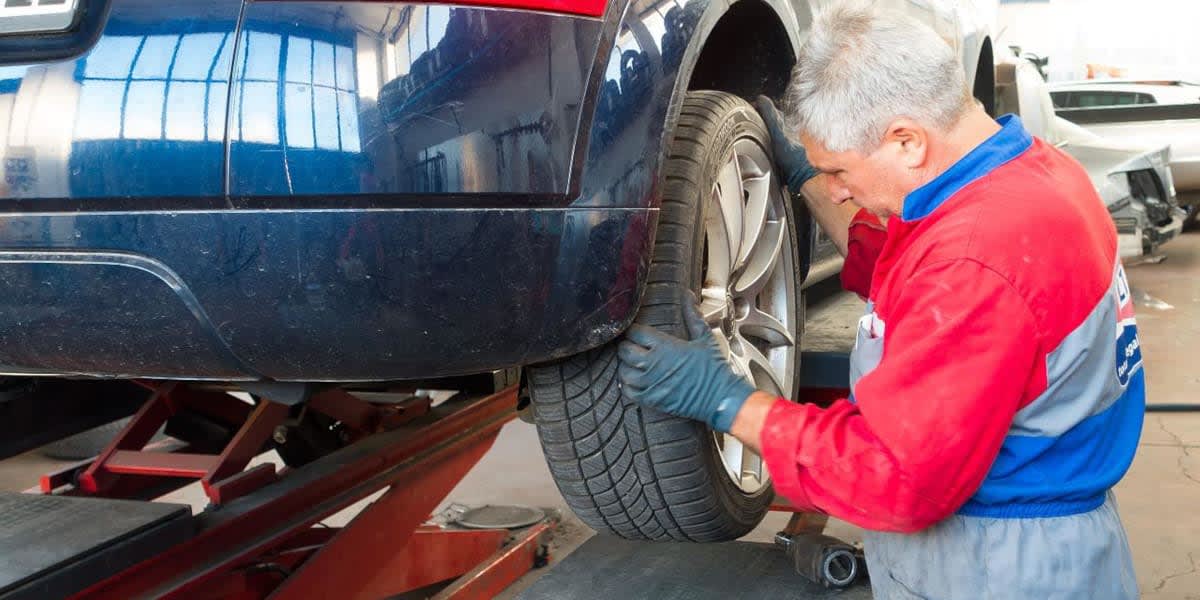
{"points": [[833, 218], [748, 424]]}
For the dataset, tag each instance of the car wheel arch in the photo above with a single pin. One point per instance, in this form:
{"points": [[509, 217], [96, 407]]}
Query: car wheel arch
{"points": [[638, 185], [790, 20], [707, 34], [984, 84]]}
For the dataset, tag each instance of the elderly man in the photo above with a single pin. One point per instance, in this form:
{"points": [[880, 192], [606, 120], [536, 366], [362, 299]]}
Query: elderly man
{"points": [[997, 388]]}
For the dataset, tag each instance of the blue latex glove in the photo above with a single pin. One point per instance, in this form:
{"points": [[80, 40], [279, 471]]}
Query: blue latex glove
{"points": [[790, 157], [684, 378]]}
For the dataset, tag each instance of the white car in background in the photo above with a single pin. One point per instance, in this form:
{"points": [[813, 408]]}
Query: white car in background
{"points": [[1135, 181], [1142, 113], [1096, 93]]}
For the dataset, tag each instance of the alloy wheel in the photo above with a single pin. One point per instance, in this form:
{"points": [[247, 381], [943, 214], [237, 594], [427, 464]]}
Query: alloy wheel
{"points": [[749, 293]]}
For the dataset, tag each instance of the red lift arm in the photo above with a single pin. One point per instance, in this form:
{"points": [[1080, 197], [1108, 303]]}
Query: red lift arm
{"points": [[261, 537]]}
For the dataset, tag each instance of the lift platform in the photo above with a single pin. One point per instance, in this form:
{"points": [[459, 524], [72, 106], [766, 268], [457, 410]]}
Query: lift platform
{"points": [[609, 567], [92, 533], [92, 530]]}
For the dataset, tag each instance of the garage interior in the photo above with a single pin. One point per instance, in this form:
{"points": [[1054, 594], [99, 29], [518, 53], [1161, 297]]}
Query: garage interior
{"points": [[1157, 497]]}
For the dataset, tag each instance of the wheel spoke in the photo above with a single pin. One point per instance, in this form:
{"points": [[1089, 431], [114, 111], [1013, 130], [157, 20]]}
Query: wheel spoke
{"points": [[719, 270], [714, 305], [767, 328], [763, 258], [758, 198], [733, 454], [748, 166], [732, 200], [759, 367], [752, 468], [741, 366]]}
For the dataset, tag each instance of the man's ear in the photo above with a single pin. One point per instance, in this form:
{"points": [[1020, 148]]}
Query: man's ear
{"points": [[910, 141]]}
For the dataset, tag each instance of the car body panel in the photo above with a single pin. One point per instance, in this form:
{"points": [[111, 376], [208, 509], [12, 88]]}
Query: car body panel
{"points": [[1174, 125], [640, 89], [1182, 135], [396, 190], [315, 265], [140, 114], [1150, 222], [309, 294], [1144, 219], [331, 98]]}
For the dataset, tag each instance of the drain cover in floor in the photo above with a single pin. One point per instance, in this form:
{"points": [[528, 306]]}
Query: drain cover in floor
{"points": [[501, 517]]}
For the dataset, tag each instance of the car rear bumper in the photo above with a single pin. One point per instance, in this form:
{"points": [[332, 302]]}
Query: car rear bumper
{"points": [[1134, 235], [301, 190], [314, 295]]}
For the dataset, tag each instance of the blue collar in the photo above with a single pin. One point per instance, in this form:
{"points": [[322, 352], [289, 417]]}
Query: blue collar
{"points": [[1001, 147]]}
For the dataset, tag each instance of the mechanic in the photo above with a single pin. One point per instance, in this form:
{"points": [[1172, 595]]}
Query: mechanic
{"points": [[996, 382]]}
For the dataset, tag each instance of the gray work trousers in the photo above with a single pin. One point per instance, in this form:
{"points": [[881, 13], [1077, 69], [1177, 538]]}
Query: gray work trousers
{"points": [[1077, 557]]}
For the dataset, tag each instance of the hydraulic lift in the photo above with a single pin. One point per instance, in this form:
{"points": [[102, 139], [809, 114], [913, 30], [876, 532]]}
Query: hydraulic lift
{"points": [[92, 530]]}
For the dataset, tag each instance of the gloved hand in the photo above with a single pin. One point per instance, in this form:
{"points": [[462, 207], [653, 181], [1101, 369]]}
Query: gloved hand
{"points": [[790, 157], [684, 378]]}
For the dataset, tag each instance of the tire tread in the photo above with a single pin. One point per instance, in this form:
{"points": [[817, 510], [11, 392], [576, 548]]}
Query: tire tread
{"points": [[656, 486]]}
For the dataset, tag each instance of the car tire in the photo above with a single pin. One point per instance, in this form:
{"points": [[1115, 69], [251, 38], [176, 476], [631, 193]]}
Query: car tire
{"points": [[635, 472]]}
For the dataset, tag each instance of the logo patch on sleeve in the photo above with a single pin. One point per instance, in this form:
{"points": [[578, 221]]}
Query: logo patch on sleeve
{"points": [[1129, 349]]}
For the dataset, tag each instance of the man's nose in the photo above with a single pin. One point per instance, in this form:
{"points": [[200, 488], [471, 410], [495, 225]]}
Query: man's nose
{"points": [[841, 194]]}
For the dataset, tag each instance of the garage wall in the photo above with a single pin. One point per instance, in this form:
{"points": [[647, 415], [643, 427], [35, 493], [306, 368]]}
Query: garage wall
{"points": [[1149, 38]]}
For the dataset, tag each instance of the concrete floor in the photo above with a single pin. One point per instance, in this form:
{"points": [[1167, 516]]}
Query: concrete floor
{"points": [[1159, 498]]}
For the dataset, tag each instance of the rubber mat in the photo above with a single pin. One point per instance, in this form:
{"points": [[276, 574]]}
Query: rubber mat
{"points": [[608, 567], [52, 546]]}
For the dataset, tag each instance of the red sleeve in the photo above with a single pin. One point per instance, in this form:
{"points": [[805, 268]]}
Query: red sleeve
{"points": [[928, 422], [867, 236]]}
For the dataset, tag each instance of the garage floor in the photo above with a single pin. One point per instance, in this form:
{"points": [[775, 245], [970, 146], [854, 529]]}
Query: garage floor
{"points": [[1159, 498]]}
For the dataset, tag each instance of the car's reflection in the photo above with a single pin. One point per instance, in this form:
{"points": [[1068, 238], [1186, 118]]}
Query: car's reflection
{"points": [[384, 98]]}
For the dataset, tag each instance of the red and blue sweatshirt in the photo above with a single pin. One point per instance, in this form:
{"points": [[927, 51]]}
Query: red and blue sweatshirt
{"points": [[1010, 382]]}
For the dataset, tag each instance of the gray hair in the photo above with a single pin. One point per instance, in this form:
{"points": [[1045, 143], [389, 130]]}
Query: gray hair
{"points": [[862, 67]]}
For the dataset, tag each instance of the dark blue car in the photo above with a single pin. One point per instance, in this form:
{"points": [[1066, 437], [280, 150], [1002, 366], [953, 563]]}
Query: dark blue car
{"points": [[360, 192]]}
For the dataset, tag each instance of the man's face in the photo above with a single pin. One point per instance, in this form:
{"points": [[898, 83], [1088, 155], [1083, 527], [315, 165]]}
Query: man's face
{"points": [[877, 181]]}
